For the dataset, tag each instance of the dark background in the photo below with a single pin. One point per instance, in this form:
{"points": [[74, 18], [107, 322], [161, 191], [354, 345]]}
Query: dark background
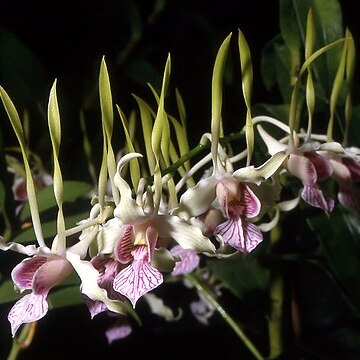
{"points": [[67, 41]]}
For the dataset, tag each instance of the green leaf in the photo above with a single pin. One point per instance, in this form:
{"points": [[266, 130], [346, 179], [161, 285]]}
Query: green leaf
{"points": [[341, 246], [244, 276], [329, 27], [46, 199], [49, 228], [292, 32], [276, 67], [68, 296], [7, 292]]}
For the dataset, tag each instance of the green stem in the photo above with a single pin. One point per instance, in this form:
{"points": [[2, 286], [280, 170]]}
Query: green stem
{"points": [[200, 148], [23, 341], [210, 297], [276, 304]]}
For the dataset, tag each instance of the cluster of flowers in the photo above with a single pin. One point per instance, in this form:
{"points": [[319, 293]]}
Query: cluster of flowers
{"points": [[148, 229]]}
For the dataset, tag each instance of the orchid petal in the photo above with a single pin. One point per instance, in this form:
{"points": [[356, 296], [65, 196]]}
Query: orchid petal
{"points": [[94, 307], [350, 198], [29, 250], [354, 168], [202, 311], [189, 260], [197, 200], [118, 331], [265, 227], [250, 202], [332, 146], [19, 189], [30, 187], [49, 274], [231, 232], [222, 195], [89, 283], [256, 175], [322, 166], [23, 273], [128, 211], [59, 242], [28, 309], [274, 146], [151, 236], [239, 234], [158, 307], [108, 235], [341, 173], [314, 196], [253, 236], [186, 235], [289, 205], [86, 238], [217, 97], [122, 185], [124, 245], [302, 168], [138, 278], [108, 269]]}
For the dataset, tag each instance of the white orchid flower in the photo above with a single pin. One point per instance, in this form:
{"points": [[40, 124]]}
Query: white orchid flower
{"points": [[135, 235], [307, 163]]}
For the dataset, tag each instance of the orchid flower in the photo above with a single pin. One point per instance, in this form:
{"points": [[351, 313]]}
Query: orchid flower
{"points": [[307, 163], [135, 236], [230, 190], [41, 178], [47, 267], [346, 172]]}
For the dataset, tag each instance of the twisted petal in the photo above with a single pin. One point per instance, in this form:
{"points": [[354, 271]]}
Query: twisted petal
{"points": [[189, 260], [138, 278], [240, 235], [28, 309], [128, 211], [314, 196]]}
